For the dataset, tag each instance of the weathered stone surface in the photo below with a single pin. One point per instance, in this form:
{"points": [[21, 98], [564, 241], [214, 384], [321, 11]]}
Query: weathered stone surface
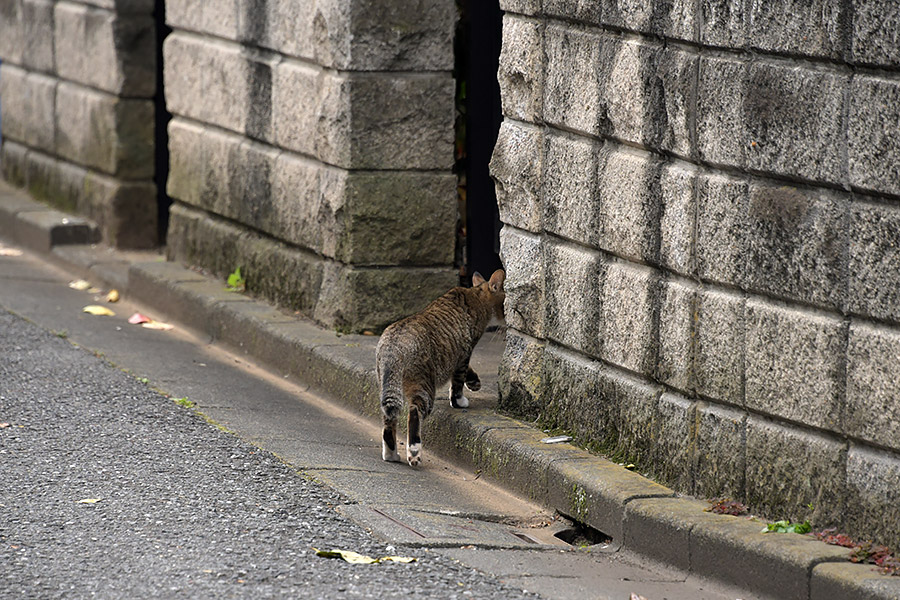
{"points": [[572, 88], [816, 28], [720, 345], [673, 19], [872, 508], [874, 36], [104, 50], [108, 133], [572, 293], [55, 182], [399, 35], [125, 212], [313, 112], [646, 95], [587, 12], [517, 169], [283, 275], [797, 244], [721, 228], [849, 581], [222, 75], [628, 190], [873, 147], [37, 35], [402, 122], [636, 401], [790, 469], [677, 306], [27, 104], [11, 32], [366, 121], [523, 7], [332, 293], [521, 71], [571, 204], [13, 163], [723, 23], [795, 118], [345, 299], [628, 329], [357, 217], [672, 458], [121, 6], [576, 400], [521, 384], [359, 36], [399, 218], [874, 260], [872, 411], [794, 364], [677, 217], [522, 256], [721, 130], [720, 455]]}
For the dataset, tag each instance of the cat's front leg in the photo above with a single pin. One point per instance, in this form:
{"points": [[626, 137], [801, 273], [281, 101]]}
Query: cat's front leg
{"points": [[460, 376], [472, 380]]}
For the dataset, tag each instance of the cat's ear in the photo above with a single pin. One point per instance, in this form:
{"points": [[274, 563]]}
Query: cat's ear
{"points": [[497, 280], [477, 279]]}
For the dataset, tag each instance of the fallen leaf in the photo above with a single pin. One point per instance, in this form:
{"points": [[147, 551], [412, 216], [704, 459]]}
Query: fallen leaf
{"points": [[90, 501], [138, 318], [112, 296], [98, 311], [4, 251], [151, 324], [636, 597], [80, 285], [361, 559]]}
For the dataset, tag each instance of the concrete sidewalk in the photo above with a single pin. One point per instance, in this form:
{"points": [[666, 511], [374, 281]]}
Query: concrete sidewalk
{"points": [[634, 511]]}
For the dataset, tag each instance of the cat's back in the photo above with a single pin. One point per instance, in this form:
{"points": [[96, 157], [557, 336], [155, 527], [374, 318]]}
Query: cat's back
{"points": [[432, 333]]}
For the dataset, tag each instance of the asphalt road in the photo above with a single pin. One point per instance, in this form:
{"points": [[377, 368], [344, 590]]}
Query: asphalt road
{"points": [[182, 508]]}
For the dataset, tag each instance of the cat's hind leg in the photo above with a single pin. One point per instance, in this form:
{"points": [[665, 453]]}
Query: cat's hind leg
{"points": [[390, 407], [414, 437]]}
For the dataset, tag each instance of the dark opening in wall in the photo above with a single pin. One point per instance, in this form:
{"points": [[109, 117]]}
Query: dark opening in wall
{"points": [[163, 117], [478, 40]]}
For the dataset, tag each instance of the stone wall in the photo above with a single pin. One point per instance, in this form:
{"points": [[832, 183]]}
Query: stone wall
{"points": [[312, 145], [76, 90], [702, 235]]}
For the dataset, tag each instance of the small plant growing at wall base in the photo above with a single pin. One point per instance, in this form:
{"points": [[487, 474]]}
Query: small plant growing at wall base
{"points": [[236, 281]]}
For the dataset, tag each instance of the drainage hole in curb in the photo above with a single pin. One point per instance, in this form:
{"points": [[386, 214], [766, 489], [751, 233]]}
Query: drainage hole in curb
{"points": [[581, 535]]}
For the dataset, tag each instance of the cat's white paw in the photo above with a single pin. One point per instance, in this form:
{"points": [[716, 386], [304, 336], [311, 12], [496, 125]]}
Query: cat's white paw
{"points": [[461, 402], [389, 455], [414, 456]]}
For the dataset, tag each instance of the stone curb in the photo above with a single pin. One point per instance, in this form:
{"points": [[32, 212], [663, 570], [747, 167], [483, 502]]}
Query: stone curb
{"points": [[39, 228], [636, 512]]}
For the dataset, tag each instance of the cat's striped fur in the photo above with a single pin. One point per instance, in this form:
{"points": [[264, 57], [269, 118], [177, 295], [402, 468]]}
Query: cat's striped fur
{"points": [[420, 353]]}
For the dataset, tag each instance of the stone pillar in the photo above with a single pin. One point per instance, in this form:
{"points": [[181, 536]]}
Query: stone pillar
{"points": [[312, 146], [76, 91]]}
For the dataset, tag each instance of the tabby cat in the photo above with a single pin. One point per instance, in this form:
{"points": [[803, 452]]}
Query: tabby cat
{"points": [[420, 353]]}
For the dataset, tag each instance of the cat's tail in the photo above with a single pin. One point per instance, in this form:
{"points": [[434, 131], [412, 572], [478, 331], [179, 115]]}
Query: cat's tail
{"points": [[391, 395]]}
